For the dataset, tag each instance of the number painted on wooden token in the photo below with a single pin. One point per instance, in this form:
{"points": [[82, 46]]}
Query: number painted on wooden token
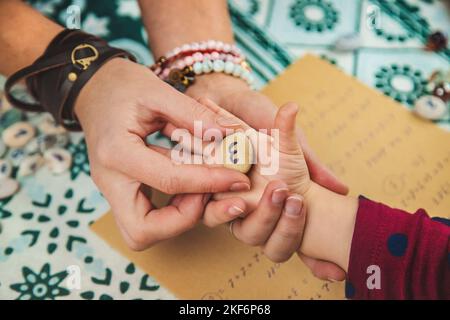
{"points": [[237, 152]]}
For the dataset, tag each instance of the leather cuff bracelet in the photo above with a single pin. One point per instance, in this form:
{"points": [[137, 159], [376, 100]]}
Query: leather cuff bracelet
{"points": [[56, 78]]}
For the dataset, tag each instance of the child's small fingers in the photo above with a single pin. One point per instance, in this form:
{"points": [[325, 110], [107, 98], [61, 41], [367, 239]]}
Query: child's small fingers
{"points": [[285, 118], [257, 227], [287, 236], [223, 211]]}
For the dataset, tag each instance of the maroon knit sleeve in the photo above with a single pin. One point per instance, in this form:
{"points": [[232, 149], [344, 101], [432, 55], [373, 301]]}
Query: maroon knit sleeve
{"points": [[397, 255]]}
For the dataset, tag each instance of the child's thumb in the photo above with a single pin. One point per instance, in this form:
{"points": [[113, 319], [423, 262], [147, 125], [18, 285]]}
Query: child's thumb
{"points": [[286, 125]]}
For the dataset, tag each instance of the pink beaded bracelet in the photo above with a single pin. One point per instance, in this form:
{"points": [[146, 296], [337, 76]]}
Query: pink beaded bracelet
{"points": [[188, 61], [180, 66], [210, 45]]}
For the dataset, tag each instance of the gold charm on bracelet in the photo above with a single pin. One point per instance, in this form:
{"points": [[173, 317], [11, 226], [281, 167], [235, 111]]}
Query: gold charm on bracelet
{"points": [[181, 79], [86, 61]]}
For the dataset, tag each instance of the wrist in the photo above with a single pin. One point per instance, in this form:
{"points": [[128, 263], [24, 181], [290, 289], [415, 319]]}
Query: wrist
{"points": [[108, 78], [93, 86], [204, 19], [330, 224], [58, 76], [217, 87]]}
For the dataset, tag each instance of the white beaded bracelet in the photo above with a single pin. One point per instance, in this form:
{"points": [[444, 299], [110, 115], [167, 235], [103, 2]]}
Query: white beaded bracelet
{"points": [[180, 66], [227, 67], [187, 61]]}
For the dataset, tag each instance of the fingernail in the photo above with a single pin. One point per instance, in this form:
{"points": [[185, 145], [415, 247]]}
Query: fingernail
{"points": [[278, 195], [332, 280], [240, 186], [206, 198], [227, 122], [293, 206], [235, 211]]}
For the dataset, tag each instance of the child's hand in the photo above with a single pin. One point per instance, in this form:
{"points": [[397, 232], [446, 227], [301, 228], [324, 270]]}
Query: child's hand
{"points": [[275, 213], [272, 226]]}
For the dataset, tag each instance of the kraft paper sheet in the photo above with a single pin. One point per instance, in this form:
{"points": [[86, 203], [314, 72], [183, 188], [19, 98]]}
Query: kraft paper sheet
{"points": [[375, 145]]}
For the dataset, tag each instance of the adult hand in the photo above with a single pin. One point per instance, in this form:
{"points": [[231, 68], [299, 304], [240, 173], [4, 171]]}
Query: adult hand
{"points": [[259, 112], [118, 108]]}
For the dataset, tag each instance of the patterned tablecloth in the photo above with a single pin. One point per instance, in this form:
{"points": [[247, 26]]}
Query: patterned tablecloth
{"points": [[45, 241]]}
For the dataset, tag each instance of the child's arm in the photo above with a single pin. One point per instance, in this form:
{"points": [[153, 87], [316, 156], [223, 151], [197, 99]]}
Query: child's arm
{"points": [[329, 225], [357, 233], [388, 253]]}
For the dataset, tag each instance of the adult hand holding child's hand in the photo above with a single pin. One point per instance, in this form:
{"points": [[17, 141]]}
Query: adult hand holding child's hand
{"points": [[276, 204], [120, 106]]}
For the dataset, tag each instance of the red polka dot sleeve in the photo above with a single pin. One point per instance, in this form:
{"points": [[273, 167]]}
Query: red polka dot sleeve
{"points": [[397, 255]]}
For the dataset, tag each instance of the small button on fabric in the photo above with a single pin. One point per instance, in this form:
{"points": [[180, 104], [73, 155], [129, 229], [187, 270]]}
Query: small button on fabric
{"points": [[58, 160], [430, 107], [349, 42], [18, 135]]}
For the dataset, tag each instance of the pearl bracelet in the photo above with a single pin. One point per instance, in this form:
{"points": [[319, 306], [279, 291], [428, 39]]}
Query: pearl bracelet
{"points": [[180, 66], [240, 70], [194, 58]]}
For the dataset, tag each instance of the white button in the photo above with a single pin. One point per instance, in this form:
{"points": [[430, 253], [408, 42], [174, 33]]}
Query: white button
{"points": [[18, 134], [348, 42], [58, 160], [431, 107]]}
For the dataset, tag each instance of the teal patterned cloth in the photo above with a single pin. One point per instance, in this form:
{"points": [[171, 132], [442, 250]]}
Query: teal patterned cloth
{"points": [[44, 229]]}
